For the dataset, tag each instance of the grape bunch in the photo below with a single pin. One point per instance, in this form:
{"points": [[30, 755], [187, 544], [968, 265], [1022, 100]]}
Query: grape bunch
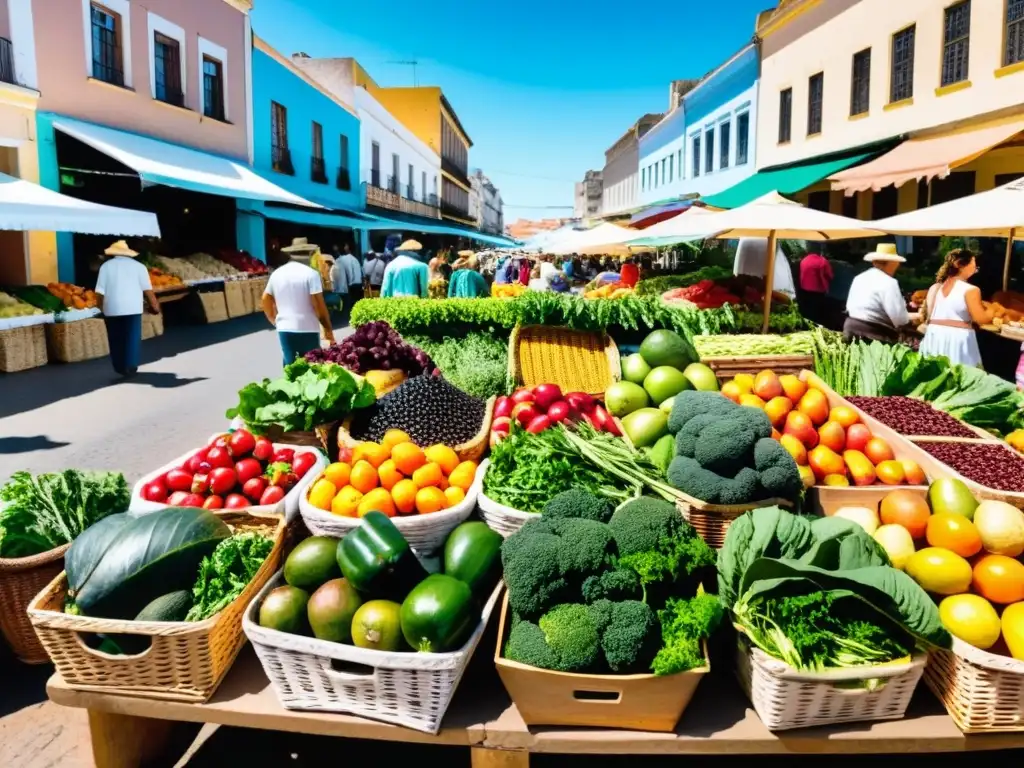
{"points": [[375, 346]]}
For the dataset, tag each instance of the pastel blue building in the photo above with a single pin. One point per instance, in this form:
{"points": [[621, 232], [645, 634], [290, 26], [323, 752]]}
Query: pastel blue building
{"points": [[706, 144], [306, 141]]}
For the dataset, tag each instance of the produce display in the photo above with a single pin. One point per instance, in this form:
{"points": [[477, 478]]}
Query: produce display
{"points": [[617, 290], [369, 589], [73, 296], [395, 477], [476, 363], [593, 589], [987, 464], [713, 294], [541, 407], [751, 345], [507, 290], [46, 300], [243, 262], [656, 286], [11, 306], [163, 281], [427, 408], [235, 471], [374, 346], [831, 445], [911, 417]]}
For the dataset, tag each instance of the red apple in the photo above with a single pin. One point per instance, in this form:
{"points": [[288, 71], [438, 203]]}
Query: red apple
{"points": [[546, 395], [559, 411], [857, 437], [523, 396], [538, 425], [502, 424], [240, 443], [155, 491], [219, 457], [303, 462], [236, 501], [192, 500], [524, 413], [503, 407]]}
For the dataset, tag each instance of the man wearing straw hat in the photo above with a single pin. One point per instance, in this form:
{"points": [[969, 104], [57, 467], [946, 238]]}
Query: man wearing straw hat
{"points": [[466, 281], [121, 285], [294, 302], [406, 276], [875, 308]]}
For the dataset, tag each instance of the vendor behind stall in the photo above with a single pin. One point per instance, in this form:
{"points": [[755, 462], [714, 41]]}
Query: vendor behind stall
{"points": [[875, 309], [406, 276]]}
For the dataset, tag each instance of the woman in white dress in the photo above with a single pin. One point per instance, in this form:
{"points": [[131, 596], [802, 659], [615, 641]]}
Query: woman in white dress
{"points": [[952, 309]]}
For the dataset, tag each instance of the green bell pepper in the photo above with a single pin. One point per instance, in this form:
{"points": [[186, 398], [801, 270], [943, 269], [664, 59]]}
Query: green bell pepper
{"points": [[377, 560]]}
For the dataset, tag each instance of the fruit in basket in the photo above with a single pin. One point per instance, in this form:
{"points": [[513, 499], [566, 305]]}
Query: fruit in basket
{"points": [[284, 609], [832, 435], [1013, 629], [663, 347], [890, 472], [953, 532], [897, 543], [312, 562], [1001, 527], [857, 437], [912, 472], [940, 571], [865, 517], [377, 625], [377, 559], [645, 427], [274, 494], [624, 397], [970, 618], [795, 448], [860, 468], [778, 409], [824, 461], [155, 491], [907, 509], [999, 579], [798, 424], [767, 385], [635, 368], [438, 614], [331, 610], [878, 450], [815, 405], [664, 382]]}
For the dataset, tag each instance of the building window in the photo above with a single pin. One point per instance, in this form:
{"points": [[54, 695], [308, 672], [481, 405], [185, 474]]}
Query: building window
{"points": [[664, 175], [344, 180], [682, 173], [654, 168], [742, 138], [815, 100], [423, 187], [901, 79], [167, 69], [860, 88], [393, 178], [213, 88], [280, 157], [106, 46], [410, 193], [696, 156], [375, 165], [1014, 32], [643, 179], [725, 144], [956, 43], [785, 115], [318, 169], [709, 150], [671, 168]]}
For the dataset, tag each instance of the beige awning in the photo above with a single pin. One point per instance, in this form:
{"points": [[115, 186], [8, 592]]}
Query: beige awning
{"points": [[926, 157]]}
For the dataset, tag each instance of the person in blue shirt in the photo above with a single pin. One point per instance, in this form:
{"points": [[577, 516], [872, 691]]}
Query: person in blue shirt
{"points": [[406, 276]]}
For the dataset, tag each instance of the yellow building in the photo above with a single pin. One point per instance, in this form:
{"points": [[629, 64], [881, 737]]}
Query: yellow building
{"points": [[941, 79]]}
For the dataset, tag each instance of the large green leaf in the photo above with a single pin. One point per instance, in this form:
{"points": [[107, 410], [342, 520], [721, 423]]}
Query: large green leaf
{"points": [[151, 555], [88, 549]]}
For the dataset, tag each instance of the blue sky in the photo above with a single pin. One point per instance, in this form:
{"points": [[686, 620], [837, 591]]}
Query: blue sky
{"points": [[542, 86]]}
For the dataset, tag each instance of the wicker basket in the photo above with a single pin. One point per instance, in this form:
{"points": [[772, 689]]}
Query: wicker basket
{"points": [[186, 661], [20, 581], [577, 361], [726, 368], [77, 341], [237, 298], [22, 348], [408, 689], [152, 325], [983, 692], [499, 518], [785, 698], [257, 286], [213, 306], [425, 533], [471, 450], [712, 521]]}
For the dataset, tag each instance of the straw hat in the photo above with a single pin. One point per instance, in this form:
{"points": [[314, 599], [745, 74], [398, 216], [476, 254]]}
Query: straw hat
{"points": [[410, 245], [300, 245], [465, 254], [120, 248], [885, 252]]}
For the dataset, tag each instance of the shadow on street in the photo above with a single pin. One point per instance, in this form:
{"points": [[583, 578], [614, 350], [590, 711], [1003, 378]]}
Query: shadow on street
{"points": [[28, 444]]}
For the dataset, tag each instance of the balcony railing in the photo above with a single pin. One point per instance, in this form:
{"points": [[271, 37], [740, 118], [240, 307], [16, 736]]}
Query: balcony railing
{"points": [[454, 210], [318, 170], [392, 185], [410, 192], [344, 181], [375, 177], [389, 199], [281, 160], [454, 170]]}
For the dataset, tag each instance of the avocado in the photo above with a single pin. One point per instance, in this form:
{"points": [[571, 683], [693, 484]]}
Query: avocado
{"points": [[667, 348], [312, 563], [330, 610], [173, 606], [951, 495], [284, 609]]}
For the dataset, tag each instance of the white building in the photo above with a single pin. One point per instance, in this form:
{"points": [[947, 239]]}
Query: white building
{"points": [[621, 175], [588, 196], [485, 204]]}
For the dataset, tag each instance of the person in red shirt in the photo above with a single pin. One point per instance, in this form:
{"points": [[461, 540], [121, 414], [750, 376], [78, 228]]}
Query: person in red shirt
{"points": [[630, 273], [815, 278]]}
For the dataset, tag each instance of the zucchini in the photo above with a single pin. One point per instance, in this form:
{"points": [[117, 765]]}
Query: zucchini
{"points": [[88, 549], [173, 606]]}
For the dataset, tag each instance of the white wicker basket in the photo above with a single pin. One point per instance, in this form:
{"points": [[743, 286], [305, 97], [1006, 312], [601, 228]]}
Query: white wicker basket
{"points": [[983, 692], [785, 698], [499, 518], [425, 533], [405, 688]]}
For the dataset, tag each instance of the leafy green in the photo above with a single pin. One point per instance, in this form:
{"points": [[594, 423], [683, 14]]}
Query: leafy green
{"points": [[225, 574], [46, 511], [656, 286], [476, 363], [309, 394], [685, 625]]}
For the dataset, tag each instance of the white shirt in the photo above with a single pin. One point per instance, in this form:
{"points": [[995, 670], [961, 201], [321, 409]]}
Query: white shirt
{"points": [[875, 297], [121, 282], [292, 286], [353, 271], [375, 271], [547, 272], [339, 280]]}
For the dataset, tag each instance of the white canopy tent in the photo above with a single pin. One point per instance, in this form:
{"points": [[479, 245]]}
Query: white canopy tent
{"points": [[602, 239], [28, 206], [996, 213]]}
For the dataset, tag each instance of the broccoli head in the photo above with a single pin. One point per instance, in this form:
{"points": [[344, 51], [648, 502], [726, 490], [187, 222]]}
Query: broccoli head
{"points": [[526, 644], [576, 503], [777, 470], [601, 610], [690, 403], [631, 638], [689, 476], [587, 547], [612, 585], [756, 421], [725, 447], [571, 633], [687, 437]]}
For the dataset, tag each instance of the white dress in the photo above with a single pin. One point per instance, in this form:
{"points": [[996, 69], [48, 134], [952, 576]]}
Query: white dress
{"points": [[960, 345]]}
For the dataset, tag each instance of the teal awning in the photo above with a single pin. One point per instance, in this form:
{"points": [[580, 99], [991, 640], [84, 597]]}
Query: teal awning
{"points": [[786, 181]]}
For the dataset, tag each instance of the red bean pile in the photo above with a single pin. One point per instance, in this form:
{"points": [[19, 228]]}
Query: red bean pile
{"points": [[911, 417], [990, 465]]}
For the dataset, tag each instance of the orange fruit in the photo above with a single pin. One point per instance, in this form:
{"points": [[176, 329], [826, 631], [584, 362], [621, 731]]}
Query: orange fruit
{"points": [[372, 452], [378, 500], [393, 437], [404, 496], [346, 502], [388, 474], [454, 495], [999, 579], [430, 500], [408, 457], [953, 532], [321, 495], [428, 475], [463, 475], [338, 473], [443, 456], [364, 476]]}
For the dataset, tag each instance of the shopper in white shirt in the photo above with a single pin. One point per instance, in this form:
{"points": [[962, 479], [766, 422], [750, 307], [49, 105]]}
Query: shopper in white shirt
{"points": [[122, 284], [294, 303], [354, 274], [875, 308]]}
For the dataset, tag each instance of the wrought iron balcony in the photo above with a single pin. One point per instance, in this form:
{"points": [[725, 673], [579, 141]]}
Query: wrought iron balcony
{"points": [[281, 160], [454, 170], [392, 185], [318, 170]]}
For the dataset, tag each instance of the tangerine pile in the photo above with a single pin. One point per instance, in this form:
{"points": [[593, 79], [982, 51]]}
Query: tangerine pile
{"points": [[395, 477]]}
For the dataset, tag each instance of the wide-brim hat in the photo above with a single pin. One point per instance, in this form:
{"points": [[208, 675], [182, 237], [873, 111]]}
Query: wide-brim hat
{"points": [[300, 245], [885, 252], [410, 245], [120, 248], [465, 254]]}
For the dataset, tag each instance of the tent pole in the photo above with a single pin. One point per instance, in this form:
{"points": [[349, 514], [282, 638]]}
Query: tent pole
{"points": [[769, 281], [1006, 262]]}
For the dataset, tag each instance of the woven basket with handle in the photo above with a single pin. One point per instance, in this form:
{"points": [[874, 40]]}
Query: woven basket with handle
{"points": [[21, 578], [983, 692], [22, 348]]}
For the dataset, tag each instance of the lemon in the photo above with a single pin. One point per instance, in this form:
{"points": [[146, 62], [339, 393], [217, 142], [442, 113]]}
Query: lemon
{"points": [[939, 571], [972, 619]]}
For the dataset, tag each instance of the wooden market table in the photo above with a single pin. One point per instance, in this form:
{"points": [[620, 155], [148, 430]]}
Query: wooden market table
{"points": [[127, 730]]}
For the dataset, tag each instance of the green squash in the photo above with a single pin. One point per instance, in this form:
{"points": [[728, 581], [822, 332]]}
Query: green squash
{"points": [[88, 549], [149, 556], [472, 554], [439, 614]]}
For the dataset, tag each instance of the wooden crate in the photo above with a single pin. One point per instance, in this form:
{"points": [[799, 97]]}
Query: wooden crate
{"points": [[726, 368], [77, 341], [213, 306], [22, 348], [152, 325]]}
